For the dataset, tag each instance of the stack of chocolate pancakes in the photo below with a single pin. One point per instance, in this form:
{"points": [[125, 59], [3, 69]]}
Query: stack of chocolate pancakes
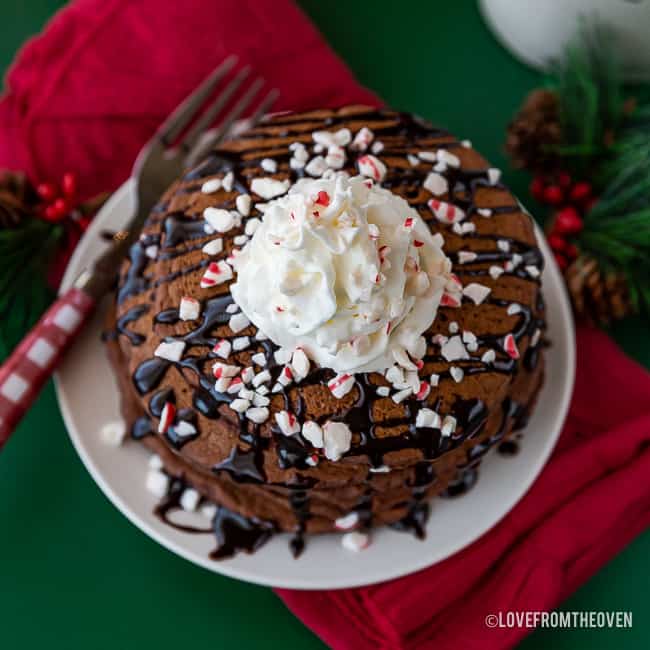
{"points": [[263, 478]]}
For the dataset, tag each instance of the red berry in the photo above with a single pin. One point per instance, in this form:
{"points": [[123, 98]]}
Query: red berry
{"points": [[580, 192], [553, 195], [557, 242], [47, 191], [83, 223], [562, 261], [57, 210], [537, 187], [567, 221], [571, 251], [69, 184], [564, 179]]}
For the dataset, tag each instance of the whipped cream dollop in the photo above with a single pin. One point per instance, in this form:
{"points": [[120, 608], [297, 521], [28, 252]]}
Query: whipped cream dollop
{"points": [[345, 270]]}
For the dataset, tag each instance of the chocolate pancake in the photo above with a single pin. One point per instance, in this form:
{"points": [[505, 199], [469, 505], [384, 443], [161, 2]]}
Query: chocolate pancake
{"points": [[480, 373]]}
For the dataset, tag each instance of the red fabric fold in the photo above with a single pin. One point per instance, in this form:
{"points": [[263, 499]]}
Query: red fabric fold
{"points": [[91, 90]]}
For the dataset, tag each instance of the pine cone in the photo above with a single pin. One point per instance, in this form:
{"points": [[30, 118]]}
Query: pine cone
{"points": [[597, 297], [17, 198], [535, 127]]}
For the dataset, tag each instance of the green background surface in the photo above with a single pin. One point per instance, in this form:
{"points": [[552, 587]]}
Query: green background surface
{"points": [[74, 573]]}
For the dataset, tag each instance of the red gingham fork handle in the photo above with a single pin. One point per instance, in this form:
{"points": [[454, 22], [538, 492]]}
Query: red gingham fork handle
{"points": [[30, 365]]}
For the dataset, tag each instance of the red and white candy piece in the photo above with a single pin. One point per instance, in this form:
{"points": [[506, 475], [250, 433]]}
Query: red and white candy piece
{"points": [[362, 139], [258, 414], [355, 541], [222, 348], [189, 309], [269, 188], [237, 322], [457, 374], [216, 273], [170, 350], [446, 212], [337, 439], [285, 377], [240, 405], [219, 219], [477, 293], [448, 425], [423, 391], [313, 433], [341, 385], [347, 522], [371, 167], [436, 184], [427, 419], [510, 346], [166, 417], [287, 422], [299, 364], [213, 247]]}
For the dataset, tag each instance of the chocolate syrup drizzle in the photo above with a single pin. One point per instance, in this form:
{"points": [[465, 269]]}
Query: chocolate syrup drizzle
{"points": [[246, 464]]}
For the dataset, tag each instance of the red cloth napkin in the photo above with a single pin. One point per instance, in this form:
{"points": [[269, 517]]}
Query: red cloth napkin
{"points": [[89, 92]]}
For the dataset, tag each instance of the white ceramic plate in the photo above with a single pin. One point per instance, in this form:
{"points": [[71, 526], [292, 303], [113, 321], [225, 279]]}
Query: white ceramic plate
{"points": [[88, 397]]}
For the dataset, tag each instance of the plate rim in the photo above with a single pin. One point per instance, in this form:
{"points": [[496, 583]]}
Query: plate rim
{"points": [[240, 573]]}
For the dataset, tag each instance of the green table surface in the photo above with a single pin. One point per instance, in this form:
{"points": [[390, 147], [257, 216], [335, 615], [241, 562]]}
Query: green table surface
{"points": [[75, 573]]}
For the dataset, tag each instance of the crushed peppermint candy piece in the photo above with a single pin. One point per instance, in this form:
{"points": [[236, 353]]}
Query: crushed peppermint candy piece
{"points": [[453, 327], [220, 220], [269, 188], [241, 343], [347, 522], [495, 272], [448, 158], [383, 391], [401, 395], [440, 166], [445, 212], [167, 416], [377, 147], [477, 293], [413, 160], [222, 348], [240, 240], [211, 186], [213, 247], [155, 462], [453, 349], [493, 175], [208, 510], [113, 433], [337, 439], [299, 364], [228, 181], [488, 356], [335, 157], [313, 433], [402, 358], [243, 204], [189, 309], [465, 257], [448, 425], [341, 385], [151, 251], [282, 356], [341, 137], [189, 500], [513, 308], [232, 308], [238, 322], [355, 541], [485, 212], [466, 143], [220, 370], [467, 227], [436, 184], [362, 139], [371, 167], [434, 380], [428, 156], [216, 273], [240, 405], [503, 245], [260, 400], [427, 419], [457, 374], [261, 378], [269, 165], [287, 422], [395, 375], [534, 339], [157, 483], [381, 469], [316, 166], [286, 376], [533, 271], [259, 358], [423, 391], [235, 387], [170, 350], [258, 414], [510, 346], [247, 375], [222, 384]]}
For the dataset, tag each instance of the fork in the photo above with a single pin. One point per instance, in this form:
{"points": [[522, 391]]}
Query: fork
{"points": [[179, 142]]}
